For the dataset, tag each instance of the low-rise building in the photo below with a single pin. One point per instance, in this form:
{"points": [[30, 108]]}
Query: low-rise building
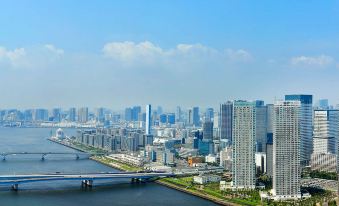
{"points": [[324, 162], [194, 160], [204, 179]]}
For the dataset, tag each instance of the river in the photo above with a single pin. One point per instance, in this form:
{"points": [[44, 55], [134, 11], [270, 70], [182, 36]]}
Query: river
{"points": [[117, 192]]}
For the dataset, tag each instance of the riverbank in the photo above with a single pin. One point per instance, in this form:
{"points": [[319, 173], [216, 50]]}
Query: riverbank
{"points": [[67, 145], [195, 193], [130, 168]]}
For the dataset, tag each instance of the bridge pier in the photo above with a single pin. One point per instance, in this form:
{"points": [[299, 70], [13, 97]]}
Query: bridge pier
{"points": [[15, 187], [87, 183]]}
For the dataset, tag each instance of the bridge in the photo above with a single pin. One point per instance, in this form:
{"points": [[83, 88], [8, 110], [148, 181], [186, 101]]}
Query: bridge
{"points": [[44, 154], [86, 178]]}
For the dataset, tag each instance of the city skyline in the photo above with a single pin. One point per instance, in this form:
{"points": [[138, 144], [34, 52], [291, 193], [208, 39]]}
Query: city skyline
{"points": [[114, 54]]}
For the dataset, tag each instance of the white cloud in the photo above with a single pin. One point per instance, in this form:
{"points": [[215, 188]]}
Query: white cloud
{"points": [[12, 57], [239, 55], [312, 61], [131, 53], [54, 50]]}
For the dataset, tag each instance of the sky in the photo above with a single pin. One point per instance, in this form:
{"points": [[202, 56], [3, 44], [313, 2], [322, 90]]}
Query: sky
{"points": [[115, 54]]}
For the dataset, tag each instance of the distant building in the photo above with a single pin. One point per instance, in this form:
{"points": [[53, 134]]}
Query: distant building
{"points": [[269, 154], [226, 115], [100, 116], [306, 125], [325, 131], [56, 114], [323, 104], [226, 158], [83, 115], [209, 114], [261, 126], [196, 117], [260, 162], [243, 135], [72, 114], [40, 115], [171, 118], [286, 150], [324, 162], [207, 130], [148, 119], [128, 114]]}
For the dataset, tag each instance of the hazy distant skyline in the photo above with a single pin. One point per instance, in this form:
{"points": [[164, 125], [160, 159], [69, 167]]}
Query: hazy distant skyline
{"points": [[122, 53]]}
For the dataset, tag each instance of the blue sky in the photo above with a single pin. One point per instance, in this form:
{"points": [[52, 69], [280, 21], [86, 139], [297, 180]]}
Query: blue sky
{"points": [[121, 53]]}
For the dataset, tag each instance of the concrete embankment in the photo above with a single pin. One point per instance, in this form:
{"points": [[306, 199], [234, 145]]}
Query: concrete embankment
{"points": [[207, 197], [67, 145]]}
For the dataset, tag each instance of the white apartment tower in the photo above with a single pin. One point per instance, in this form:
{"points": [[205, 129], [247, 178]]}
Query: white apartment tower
{"points": [[243, 144], [286, 150]]}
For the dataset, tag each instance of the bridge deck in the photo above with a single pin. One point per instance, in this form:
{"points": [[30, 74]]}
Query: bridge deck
{"points": [[20, 179]]}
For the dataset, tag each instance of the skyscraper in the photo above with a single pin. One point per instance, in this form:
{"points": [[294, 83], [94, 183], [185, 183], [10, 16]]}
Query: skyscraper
{"points": [[56, 114], [286, 150], [325, 131], [128, 114], [136, 110], [207, 127], [226, 115], [209, 114], [100, 117], [148, 119], [83, 115], [261, 126], [178, 114], [72, 114], [196, 117], [243, 155], [306, 125]]}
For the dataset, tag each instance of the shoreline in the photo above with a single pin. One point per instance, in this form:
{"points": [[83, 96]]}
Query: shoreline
{"points": [[67, 145], [165, 184], [197, 194]]}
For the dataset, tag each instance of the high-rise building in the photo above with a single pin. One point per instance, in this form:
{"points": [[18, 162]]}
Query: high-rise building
{"points": [[56, 114], [207, 127], [325, 131], [148, 119], [322, 104], [190, 116], [226, 115], [306, 126], [100, 116], [40, 115], [72, 114], [216, 127], [171, 118], [209, 114], [83, 114], [270, 113], [128, 114], [178, 114], [261, 126], [196, 117], [269, 154], [136, 110], [243, 144], [286, 150]]}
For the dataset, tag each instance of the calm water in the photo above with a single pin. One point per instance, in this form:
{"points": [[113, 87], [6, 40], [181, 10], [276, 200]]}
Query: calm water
{"points": [[70, 193]]}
